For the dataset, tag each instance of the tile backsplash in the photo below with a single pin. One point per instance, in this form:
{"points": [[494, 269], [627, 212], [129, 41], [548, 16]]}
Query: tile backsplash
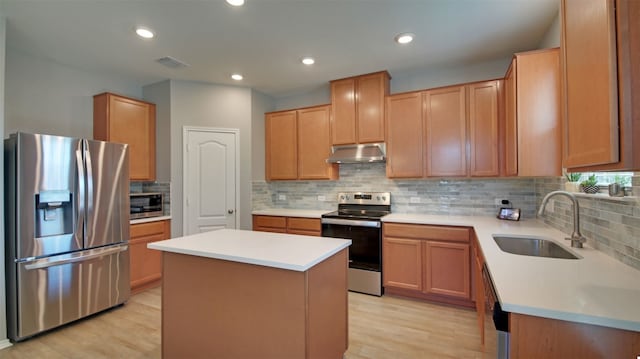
{"points": [[455, 196], [150, 187], [612, 225]]}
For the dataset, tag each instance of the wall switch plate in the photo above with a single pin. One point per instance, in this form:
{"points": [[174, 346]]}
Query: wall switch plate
{"points": [[282, 197], [414, 200], [322, 198]]}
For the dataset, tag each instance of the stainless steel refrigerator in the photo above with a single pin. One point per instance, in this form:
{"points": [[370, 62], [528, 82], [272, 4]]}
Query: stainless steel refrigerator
{"points": [[67, 230]]}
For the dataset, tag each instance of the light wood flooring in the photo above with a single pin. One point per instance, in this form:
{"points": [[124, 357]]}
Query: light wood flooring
{"points": [[385, 327]]}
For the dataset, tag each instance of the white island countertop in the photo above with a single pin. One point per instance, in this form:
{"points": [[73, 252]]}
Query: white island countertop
{"points": [[595, 289], [277, 250]]}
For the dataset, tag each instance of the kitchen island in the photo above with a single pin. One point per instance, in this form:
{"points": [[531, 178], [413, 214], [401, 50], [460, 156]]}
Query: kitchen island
{"points": [[243, 294]]}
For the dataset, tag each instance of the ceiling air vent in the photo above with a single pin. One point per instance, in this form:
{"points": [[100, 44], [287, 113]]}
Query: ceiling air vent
{"points": [[171, 62]]}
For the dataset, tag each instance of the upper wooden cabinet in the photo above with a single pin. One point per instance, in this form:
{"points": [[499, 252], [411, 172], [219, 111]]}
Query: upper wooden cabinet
{"points": [[484, 118], [601, 87], [404, 135], [281, 146], [532, 125], [298, 143], [125, 120], [450, 119], [358, 108], [445, 129]]}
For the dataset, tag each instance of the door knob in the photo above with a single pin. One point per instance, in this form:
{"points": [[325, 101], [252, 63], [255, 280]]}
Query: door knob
{"points": [[230, 211]]}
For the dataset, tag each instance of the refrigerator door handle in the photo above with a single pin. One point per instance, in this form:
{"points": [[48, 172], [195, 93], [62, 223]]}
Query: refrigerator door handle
{"points": [[97, 253], [89, 182], [80, 198]]}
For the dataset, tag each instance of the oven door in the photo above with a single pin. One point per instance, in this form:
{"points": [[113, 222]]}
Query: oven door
{"points": [[365, 251]]}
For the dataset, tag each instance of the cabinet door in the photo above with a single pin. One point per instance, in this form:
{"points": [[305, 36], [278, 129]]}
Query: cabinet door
{"points": [[447, 269], [343, 106], [370, 94], [402, 263], [404, 136], [124, 120], [511, 129], [314, 144], [483, 129], [478, 262], [445, 132], [146, 264], [538, 113], [281, 146], [591, 134], [270, 224]]}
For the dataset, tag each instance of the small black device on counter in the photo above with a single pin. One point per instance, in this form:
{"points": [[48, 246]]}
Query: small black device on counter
{"points": [[144, 205], [512, 214]]}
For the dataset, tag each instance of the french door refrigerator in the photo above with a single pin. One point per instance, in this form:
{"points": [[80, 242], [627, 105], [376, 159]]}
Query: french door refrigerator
{"points": [[67, 230]]}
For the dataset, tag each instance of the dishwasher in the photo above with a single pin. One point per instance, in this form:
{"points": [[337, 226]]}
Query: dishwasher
{"points": [[500, 317]]}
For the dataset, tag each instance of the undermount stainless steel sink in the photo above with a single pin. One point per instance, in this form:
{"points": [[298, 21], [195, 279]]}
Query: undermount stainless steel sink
{"points": [[536, 247]]}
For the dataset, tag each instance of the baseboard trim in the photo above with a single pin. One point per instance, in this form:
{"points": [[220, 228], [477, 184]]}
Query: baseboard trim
{"points": [[5, 343]]}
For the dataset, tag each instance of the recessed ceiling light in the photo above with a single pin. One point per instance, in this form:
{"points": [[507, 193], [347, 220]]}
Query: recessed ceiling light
{"points": [[308, 60], [404, 38], [237, 77], [144, 32], [235, 2]]}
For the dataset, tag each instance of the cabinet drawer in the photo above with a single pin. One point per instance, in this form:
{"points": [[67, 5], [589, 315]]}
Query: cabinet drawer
{"points": [[419, 231], [147, 229], [303, 224], [270, 222]]}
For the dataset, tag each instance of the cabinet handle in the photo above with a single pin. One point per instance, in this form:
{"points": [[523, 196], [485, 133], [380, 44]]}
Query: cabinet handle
{"points": [[230, 211]]}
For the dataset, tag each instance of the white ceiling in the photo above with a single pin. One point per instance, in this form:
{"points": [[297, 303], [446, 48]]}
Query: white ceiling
{"points": [[265, 39]]}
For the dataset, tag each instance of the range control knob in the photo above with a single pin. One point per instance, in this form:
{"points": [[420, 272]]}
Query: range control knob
{"points": [[384, 198], [342, 198], [378, 198]]}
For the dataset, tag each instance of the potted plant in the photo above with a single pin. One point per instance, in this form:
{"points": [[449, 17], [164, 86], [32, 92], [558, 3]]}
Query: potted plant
{"points": [[573, 182], [590, 185]]}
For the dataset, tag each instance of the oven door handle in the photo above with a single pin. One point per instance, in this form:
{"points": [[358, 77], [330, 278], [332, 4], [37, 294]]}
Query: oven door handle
{"points": [[351, 222]]}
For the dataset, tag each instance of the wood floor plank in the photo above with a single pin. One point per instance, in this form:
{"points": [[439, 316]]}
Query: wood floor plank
{"points": [[379, 327]]}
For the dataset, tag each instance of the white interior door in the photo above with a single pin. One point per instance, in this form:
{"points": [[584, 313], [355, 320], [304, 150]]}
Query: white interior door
{"points": [[211, 166]]}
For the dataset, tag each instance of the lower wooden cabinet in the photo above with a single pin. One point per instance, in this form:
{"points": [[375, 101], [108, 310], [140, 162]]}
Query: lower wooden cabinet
{"points": [[480, 298], [291, 225], [428, 262], [146, 264]]}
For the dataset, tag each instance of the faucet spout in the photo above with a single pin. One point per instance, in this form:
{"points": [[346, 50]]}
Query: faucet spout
{"points": [[576, 237]]}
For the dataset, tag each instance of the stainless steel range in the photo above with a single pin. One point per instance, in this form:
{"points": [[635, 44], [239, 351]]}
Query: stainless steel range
{"points": [[359, 218]]}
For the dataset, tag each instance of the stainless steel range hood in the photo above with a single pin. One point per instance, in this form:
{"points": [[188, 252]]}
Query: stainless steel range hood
{"points": [[362, 153]]}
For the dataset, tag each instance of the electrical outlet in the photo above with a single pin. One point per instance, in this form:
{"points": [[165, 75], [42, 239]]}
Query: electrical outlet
{"points": [[282, 197], [322, 198], [497, 201], [414, 200]]}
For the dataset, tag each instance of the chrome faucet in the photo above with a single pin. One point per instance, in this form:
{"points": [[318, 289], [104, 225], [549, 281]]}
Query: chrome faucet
{"points": [[576, 237]]}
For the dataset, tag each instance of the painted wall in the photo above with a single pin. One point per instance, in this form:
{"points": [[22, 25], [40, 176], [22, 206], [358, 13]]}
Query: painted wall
{"points": [[45, 97], [260, 103], [210, 105], [160, 94], [4, 342], [551, 38]]}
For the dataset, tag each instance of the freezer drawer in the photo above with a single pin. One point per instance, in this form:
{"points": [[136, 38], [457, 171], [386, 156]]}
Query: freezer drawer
{"points": [[56, 290]]}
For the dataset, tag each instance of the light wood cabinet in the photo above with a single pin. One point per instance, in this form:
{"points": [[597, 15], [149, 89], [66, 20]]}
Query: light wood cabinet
{"points": [[358, 108], [281, 146], [126, 120], [404, 135], [146, 264], [533, 122], [402, 263], [601, 84], [298, 143], [484, 118], [291, 225], [427, 262], [451, 119], [445, 130]]}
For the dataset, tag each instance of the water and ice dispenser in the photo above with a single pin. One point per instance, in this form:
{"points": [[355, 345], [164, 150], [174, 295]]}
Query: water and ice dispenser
{"points": [[54, 213]]}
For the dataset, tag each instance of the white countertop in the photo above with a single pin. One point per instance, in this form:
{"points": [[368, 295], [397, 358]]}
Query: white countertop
{"points": [[595, 289], [285, 251], [286, 212], [149, 219]]}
